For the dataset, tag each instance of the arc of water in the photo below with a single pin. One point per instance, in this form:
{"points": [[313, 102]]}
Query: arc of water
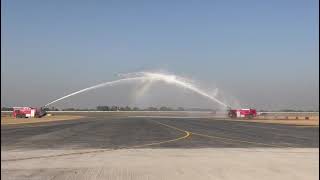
{"points": [[174, 80], [95, 87], [148, 76]]}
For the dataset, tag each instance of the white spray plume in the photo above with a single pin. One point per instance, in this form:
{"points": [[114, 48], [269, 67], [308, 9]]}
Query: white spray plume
{"points": [[148, 76]]}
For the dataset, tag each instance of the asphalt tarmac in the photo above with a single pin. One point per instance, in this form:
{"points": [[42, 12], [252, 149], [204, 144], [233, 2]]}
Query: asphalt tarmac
{"points": [[101, 132]]}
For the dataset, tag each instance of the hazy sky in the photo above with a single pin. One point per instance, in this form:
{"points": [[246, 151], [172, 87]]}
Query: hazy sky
{"points": [[263, 54]]}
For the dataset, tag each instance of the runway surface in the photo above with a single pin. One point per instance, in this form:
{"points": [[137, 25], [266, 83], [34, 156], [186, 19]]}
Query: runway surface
{"points": [[154, 132], [153, 148]]}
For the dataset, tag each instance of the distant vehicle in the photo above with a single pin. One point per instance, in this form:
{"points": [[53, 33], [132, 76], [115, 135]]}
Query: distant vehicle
{"points": [[28, 112], [242, 113]]}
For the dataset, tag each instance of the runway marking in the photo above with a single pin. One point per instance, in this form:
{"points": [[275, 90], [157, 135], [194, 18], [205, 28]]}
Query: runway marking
{"points": [[187, 134], [168, 141], [217, 137], [184, 130], [172, 127]]}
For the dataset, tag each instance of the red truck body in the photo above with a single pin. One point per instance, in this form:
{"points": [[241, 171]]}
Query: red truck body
{"points": [[27, 112], [242, 113]]}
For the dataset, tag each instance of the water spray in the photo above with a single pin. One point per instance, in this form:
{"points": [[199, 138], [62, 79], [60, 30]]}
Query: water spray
{"points": [[148, 76]]}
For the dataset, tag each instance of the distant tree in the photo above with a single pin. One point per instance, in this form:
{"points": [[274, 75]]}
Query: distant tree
{"points": [[127, 108], [50, 109], [152, 109], [103, 108], [6, 109], [46, 109], [68, 109], [136, 109], [180, 109], [289, 110], [164, 108], [114, 108]]}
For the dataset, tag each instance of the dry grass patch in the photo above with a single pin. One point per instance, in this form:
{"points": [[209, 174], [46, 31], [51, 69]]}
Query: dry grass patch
{"points": [[11, 120]]}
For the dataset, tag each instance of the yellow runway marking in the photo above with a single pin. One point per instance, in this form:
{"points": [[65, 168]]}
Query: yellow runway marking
{"points": [[168, 141], [216, 137], [187, 134], [172, 127]]}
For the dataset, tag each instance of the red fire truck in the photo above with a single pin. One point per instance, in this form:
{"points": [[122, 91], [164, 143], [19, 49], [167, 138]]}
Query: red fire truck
{"points": [[27, 112], [242, 113]]}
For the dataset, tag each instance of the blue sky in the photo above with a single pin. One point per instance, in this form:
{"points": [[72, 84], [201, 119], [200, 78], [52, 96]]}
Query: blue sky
{"points": [[264, 53]]}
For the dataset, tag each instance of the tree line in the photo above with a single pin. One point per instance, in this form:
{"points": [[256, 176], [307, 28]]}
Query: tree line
{"points": [[118, 108], [107, 108], [128, 108]]}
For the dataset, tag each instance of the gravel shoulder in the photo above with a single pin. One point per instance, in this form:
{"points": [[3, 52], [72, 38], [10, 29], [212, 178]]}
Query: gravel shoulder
{"points": [[153, 164]]}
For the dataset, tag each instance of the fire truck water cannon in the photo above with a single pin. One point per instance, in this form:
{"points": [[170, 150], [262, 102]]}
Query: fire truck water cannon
{"points": [[28, 112], [242, 113]]}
